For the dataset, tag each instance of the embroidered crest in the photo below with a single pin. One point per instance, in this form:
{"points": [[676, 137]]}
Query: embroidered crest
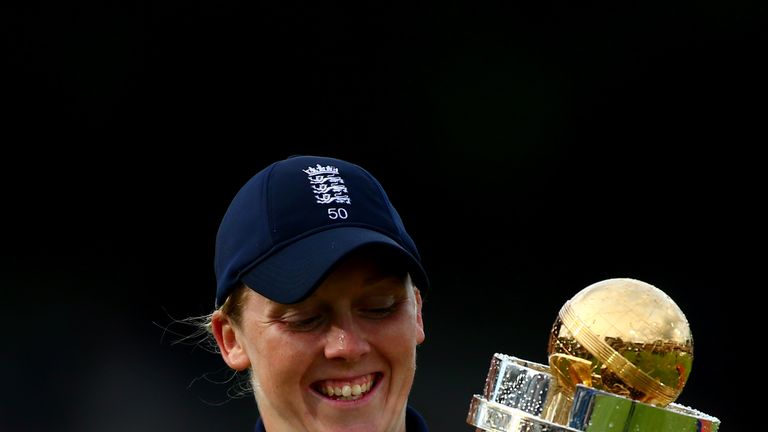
{"points": [[327, 184]]}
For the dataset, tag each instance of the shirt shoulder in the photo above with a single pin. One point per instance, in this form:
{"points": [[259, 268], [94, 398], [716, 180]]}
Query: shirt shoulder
{"points": [[259, 426], [414, 422]]}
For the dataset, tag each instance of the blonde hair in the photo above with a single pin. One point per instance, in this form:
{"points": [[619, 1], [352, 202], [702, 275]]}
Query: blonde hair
{"points": [[199, 334], [232, 307]]}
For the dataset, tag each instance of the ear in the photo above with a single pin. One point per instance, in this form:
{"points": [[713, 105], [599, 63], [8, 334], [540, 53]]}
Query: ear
{"points": [[420, 336], [228, 338]]}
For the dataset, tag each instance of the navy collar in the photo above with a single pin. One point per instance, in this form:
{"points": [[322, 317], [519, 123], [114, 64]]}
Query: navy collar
{"points": [[414, 422]]}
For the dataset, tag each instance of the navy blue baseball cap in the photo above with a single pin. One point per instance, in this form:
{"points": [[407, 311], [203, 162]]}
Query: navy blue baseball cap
{"points": [[293, 221]]}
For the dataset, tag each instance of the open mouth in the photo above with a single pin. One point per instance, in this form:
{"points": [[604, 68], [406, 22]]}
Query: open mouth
{"points": [[347, 390]]}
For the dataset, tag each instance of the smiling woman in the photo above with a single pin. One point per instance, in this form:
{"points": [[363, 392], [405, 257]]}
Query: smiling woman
{"points": [[318, 296]]}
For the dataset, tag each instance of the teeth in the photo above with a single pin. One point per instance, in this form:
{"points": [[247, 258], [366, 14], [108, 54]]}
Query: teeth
{"points": [[347, 391]]}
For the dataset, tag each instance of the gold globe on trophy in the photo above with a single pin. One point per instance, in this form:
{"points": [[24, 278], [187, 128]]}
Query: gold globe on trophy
{"points": [[623, 336], [620, 353]]}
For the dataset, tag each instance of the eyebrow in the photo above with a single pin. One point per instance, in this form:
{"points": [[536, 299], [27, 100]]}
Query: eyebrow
{"points": [[382, 275], [275, 309]]}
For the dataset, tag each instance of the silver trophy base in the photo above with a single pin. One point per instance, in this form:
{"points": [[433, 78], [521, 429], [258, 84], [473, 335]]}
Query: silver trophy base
{"points": [[492, 416], [522, 396]]}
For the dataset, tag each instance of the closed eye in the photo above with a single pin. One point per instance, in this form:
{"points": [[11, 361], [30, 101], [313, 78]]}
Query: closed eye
{"points": [[306, 324], [378, 313]]}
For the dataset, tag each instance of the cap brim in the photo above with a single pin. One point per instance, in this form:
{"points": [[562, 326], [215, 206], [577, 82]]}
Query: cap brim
{"points": [[293, 273]]}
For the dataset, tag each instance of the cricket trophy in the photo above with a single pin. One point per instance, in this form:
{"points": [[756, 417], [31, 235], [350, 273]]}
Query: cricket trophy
{"points": [[619, 353]]}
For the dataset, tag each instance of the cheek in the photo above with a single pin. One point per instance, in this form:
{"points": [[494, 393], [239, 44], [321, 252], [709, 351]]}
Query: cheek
{"points": [[280, 362], [398, 339], [397, 346]]}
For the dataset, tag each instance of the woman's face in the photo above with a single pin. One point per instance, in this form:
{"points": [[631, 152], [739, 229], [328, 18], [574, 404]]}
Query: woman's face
{"points": [[341, 360]]}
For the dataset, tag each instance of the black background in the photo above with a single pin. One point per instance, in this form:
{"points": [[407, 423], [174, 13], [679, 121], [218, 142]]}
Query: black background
{"points": [[531, 149]]}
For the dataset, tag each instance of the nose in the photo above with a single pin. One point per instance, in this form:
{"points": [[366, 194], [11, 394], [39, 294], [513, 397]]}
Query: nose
{"points": [[346, 341]]}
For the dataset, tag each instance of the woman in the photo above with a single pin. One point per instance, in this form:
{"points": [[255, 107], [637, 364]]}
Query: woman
{"points": [[318, 297]]}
